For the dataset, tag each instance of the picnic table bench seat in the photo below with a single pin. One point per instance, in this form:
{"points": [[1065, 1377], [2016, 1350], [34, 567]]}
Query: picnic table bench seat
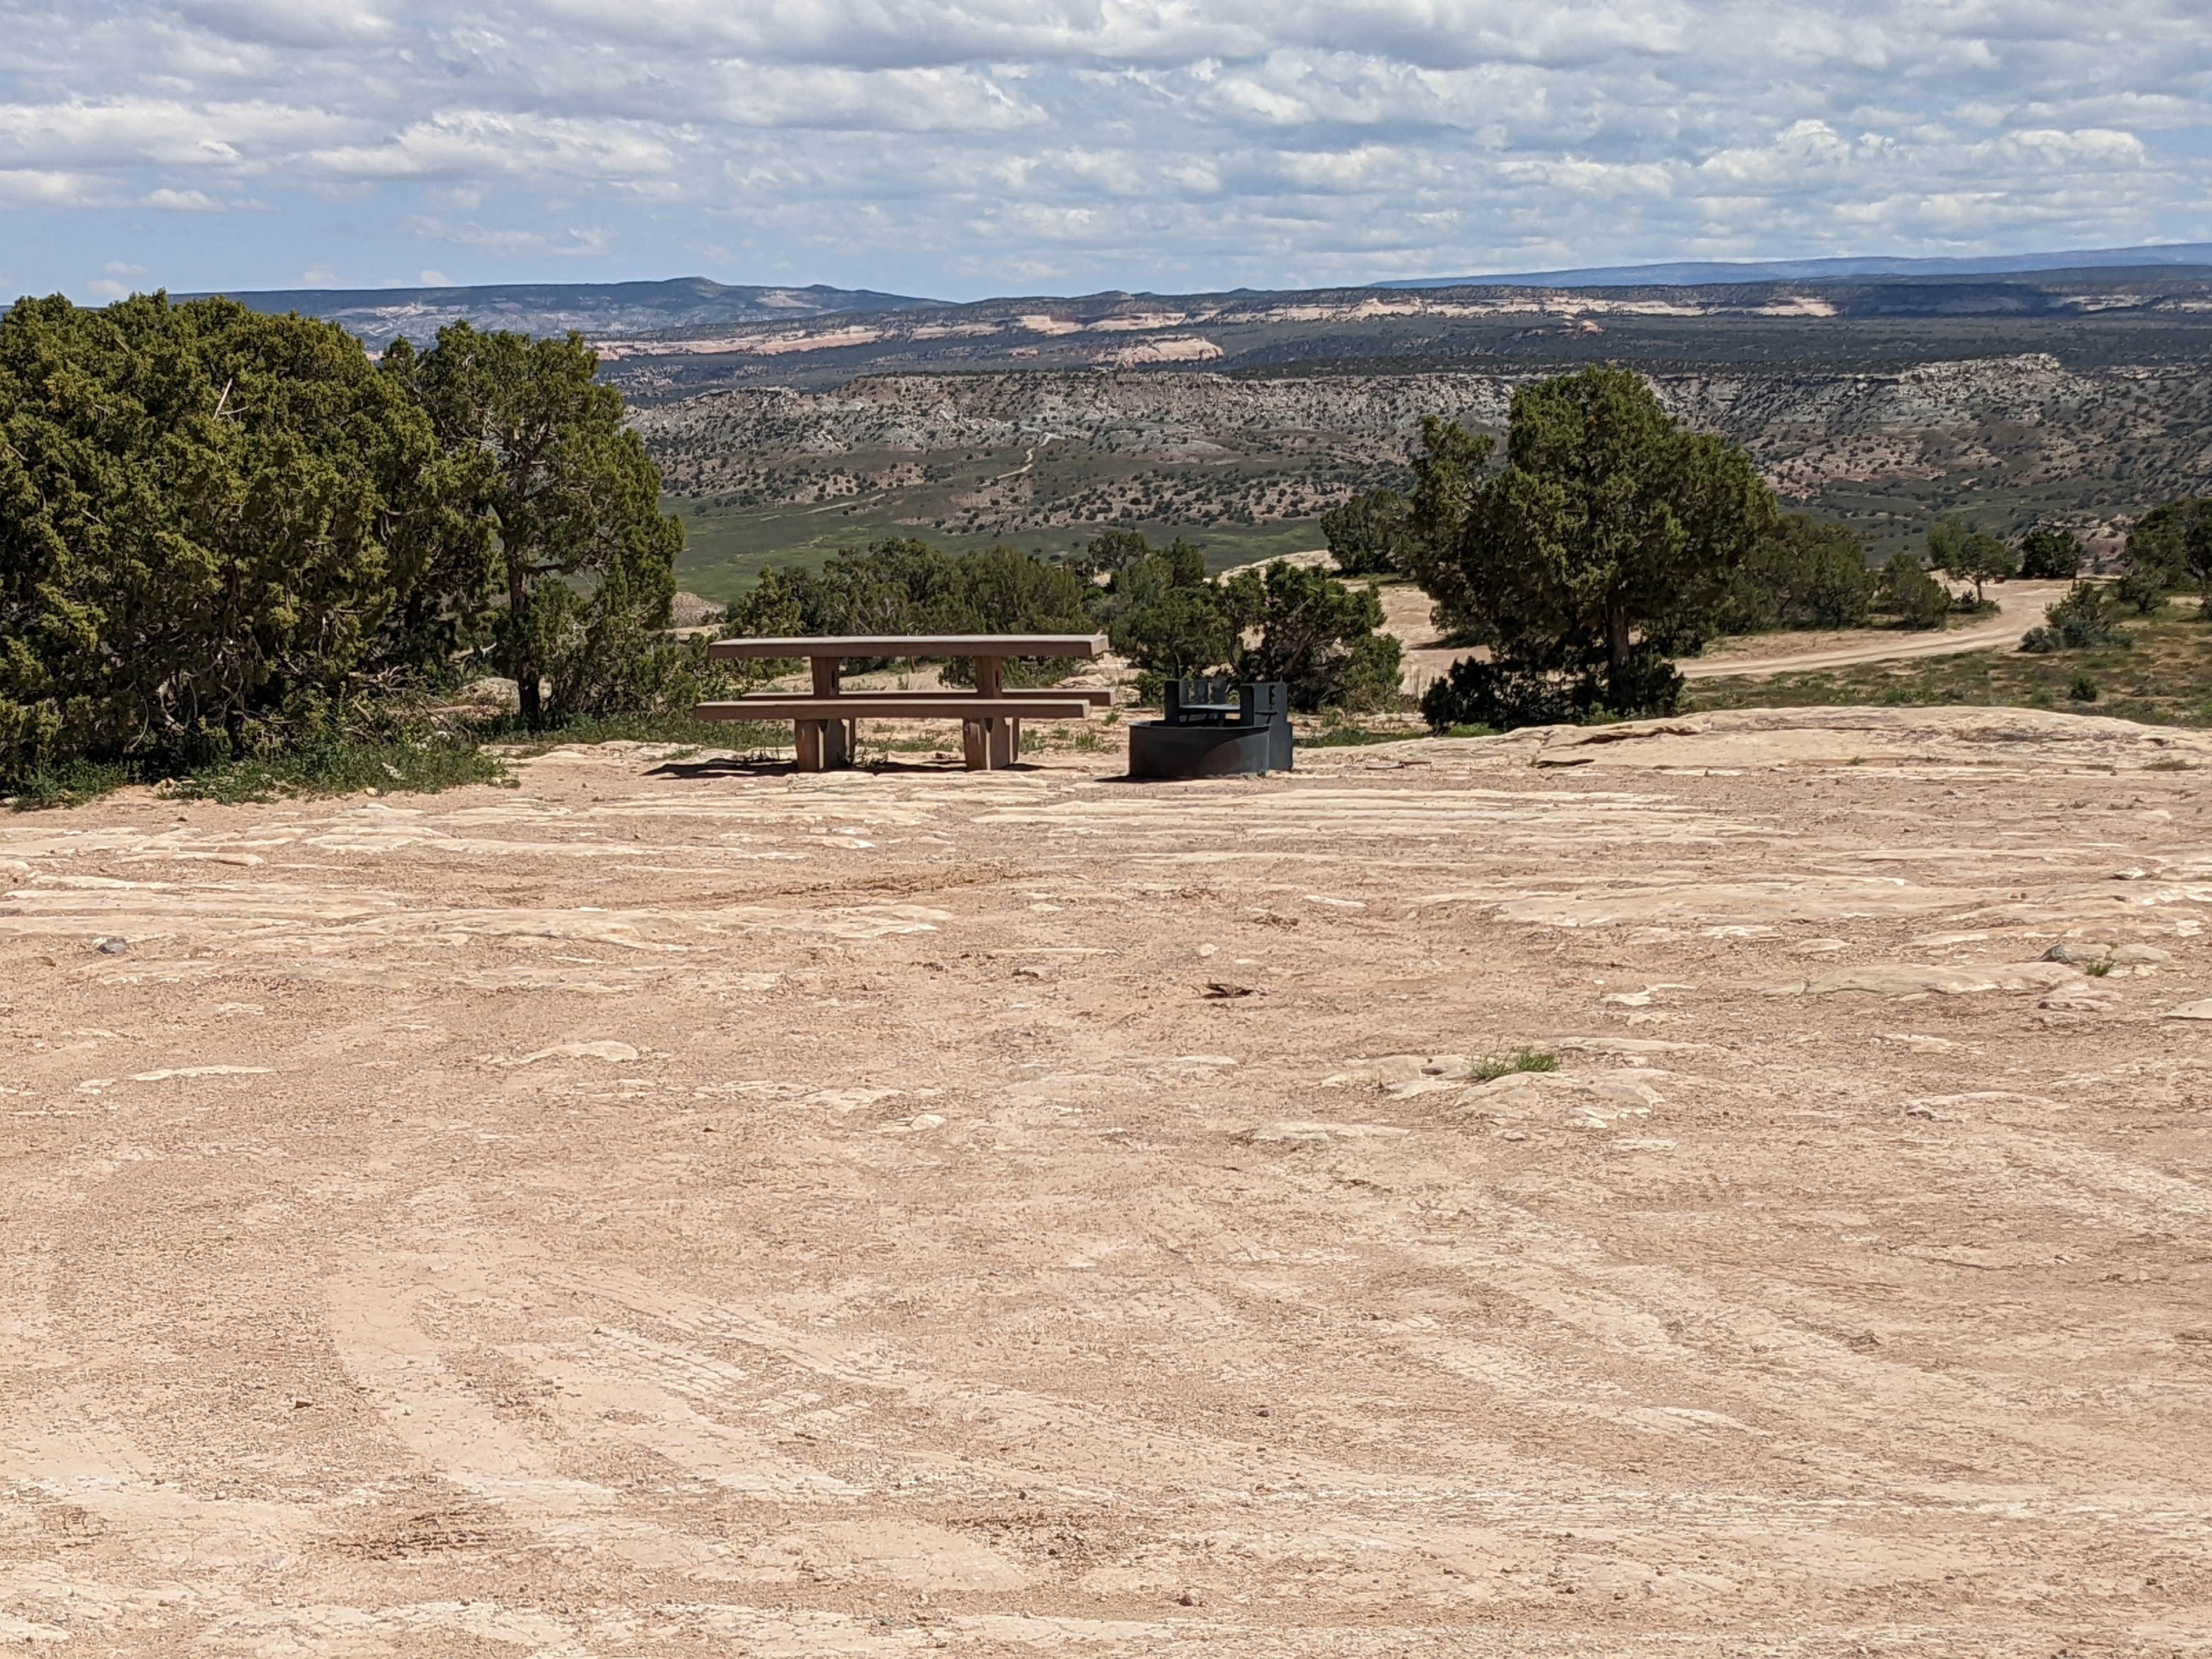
{"points": [[991, 716]]}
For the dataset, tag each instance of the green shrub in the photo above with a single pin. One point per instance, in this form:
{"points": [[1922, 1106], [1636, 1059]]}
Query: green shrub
{"points": [[1606, 545], [2157, 554], [1907, 591], [2142, 588], [1003, 590], [1504, 696], [1493, 1067], [2049, 554], [2083, 689], [1180, 633], [1967, 555], [1370, 534], [1316, 636], [1804, 574], [2089, 615], [1111, 550], [547, 475], [197, 513], [902, 585], [1166, 615]]}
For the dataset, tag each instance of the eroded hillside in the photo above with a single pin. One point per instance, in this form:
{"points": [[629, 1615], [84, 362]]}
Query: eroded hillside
{"points": [[2010, 438]]}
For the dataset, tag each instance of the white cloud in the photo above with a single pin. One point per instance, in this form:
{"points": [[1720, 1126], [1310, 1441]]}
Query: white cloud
{"points": [[571, 244], [955, 145], [41, 187], [289, 23]]}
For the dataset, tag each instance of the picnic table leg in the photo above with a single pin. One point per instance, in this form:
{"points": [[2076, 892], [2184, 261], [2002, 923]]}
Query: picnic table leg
{"points": [[996, 746], [810, 744], [975, 745], [1014, 739], [834, 740]]}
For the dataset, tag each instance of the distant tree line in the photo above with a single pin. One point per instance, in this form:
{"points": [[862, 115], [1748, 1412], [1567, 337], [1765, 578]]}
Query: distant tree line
{"points": [[1162, 609], [222, 532]]}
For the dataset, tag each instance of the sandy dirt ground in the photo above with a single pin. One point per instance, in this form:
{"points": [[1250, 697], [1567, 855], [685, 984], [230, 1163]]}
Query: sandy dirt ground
{"points": [[2020, 606], [680, 1208]]}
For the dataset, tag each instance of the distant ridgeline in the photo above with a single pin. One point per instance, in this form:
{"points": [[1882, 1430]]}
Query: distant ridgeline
{"points": [[669, 339], [600, 310], [1694, 272]]}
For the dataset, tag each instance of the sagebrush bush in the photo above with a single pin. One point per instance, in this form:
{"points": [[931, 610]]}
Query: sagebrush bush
{"points": [[2089, 615]]}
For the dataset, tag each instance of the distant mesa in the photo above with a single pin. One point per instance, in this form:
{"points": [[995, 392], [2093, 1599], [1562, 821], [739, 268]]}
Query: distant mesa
{"points": [[1711, 273], [665, 340], [602, 310]]}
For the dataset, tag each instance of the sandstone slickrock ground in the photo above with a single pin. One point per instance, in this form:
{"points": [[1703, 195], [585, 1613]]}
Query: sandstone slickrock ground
{"points": [[672, 1208]]}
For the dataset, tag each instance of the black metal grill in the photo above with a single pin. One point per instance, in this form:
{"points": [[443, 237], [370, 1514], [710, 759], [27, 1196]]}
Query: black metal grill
{"points": [[1215, 728]]}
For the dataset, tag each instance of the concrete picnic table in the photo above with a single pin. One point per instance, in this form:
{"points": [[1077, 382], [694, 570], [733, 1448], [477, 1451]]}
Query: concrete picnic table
{"points": [[991, 716]]}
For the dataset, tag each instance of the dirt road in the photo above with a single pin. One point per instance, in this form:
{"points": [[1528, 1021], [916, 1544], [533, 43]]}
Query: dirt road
{"points": [[685, 1209], [2020, 606]]}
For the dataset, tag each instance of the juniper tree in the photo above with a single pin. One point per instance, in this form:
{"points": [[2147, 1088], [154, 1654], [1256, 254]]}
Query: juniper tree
{"points": [[1601, 549], [583, 553]]}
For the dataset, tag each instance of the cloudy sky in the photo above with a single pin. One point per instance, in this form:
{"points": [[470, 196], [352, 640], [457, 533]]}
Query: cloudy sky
{"points": [[962, 148]]}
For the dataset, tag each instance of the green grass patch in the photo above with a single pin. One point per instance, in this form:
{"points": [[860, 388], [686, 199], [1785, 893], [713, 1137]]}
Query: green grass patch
{"points": [[69, 783], [726, 547], [2161, 675], [516, 740], [422, 767], [1492, 1067], [480, 752], [447, 761], [1349, 737]]}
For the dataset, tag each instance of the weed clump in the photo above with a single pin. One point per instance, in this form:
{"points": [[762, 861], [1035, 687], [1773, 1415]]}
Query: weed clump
{"points": [[1493, 1067]]}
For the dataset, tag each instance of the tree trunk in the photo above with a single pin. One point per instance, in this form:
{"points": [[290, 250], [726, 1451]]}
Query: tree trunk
{"points": [[1616, 634], [525, 663]]}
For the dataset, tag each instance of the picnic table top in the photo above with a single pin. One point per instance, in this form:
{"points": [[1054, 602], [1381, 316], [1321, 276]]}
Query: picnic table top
{"points": [[913, 645]]}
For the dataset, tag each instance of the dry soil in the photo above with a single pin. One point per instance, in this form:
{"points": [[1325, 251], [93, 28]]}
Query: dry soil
{"points": [[676, 1208]]}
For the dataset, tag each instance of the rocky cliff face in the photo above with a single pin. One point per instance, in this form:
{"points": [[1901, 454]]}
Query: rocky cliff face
{"points": [[2083, 442]]}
